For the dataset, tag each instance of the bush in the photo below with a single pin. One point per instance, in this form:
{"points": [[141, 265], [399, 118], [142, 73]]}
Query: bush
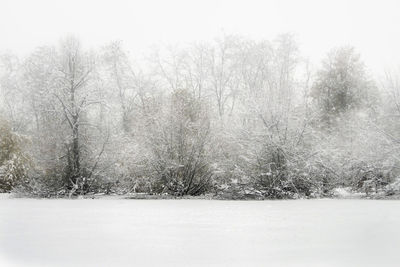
{"points": [[368, 178], [178, 142], [14, 164]]}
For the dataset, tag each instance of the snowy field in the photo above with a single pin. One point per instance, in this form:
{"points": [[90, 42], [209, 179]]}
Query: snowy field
{"points": [[116, 232]]}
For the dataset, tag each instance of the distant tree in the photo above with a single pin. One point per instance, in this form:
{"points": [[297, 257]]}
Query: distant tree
{"points": [[224, 78], [12, 94], [122, 82], [342, 84]]}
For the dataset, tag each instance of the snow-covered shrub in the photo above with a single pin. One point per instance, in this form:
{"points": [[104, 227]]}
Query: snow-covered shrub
{"points": [[392, 188], [284, 172], [275, 170], [14, 164], [370, 177], [178, 141]]}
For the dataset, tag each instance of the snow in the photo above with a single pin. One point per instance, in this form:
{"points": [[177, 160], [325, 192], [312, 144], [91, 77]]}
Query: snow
{"points": [[346, 192], [118, 232]]}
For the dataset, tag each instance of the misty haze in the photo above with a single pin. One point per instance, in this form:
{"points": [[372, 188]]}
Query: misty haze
{"points": [[191, 133]]}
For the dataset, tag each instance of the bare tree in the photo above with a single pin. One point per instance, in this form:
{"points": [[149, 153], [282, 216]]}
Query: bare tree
{"points": [[224, 79]]}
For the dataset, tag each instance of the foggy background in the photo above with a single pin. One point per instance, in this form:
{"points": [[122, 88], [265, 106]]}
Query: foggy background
{"points": [[370, 26]]}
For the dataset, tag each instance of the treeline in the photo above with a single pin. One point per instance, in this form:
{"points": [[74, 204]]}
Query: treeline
{"points": [[235, 118]]}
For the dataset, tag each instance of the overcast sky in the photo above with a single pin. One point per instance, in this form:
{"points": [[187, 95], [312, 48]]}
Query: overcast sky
{"points": [[371, 26]]}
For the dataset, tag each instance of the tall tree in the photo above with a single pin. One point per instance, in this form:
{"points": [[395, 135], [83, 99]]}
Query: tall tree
{"points": [[74, 94]]}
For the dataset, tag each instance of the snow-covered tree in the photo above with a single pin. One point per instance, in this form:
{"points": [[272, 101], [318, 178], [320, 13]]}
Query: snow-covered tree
{"points": [[342, 84]]}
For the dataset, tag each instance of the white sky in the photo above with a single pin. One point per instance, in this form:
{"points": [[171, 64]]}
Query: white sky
{"points": [[371, 26]]}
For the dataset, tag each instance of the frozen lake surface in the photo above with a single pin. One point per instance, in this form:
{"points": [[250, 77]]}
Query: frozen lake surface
{"points": [[112, 232]]}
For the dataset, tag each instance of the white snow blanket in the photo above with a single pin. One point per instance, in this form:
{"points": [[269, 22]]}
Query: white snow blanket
{"points": [[111, 232]]}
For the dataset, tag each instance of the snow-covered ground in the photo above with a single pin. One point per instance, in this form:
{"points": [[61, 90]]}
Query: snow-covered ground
{"points": [[112, 232]]}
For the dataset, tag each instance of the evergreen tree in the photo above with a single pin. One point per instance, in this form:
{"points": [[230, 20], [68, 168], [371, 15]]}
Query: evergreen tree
{"points": [[342, 84]]}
